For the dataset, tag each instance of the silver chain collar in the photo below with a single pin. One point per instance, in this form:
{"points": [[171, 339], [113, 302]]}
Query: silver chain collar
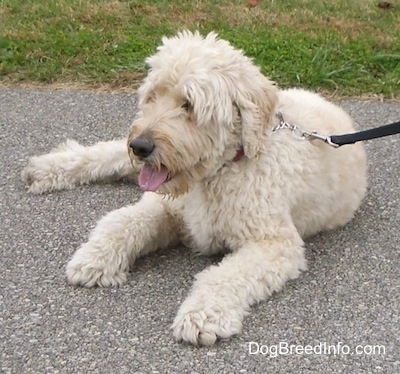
{"points": [[302, 134]]}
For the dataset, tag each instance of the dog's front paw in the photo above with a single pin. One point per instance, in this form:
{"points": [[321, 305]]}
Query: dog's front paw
{"points": [[40, 175], [45, 173], [52, 171], [91, 267], [200, 323]]}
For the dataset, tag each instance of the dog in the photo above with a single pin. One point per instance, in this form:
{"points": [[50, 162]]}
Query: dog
{"points": [[215, 178]]}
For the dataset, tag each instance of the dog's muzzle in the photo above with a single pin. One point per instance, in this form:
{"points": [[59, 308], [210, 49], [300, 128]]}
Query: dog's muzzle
{"points": [[142, 147]]}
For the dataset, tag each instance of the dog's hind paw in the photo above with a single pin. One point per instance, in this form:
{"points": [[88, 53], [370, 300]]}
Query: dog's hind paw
{"points": [[205, 326]]}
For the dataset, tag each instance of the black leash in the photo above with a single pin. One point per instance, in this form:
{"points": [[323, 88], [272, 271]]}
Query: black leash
{"points": [[378, 132], [339, 140]]}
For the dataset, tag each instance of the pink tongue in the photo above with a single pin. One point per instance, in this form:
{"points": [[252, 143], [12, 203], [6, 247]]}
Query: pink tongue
{"points": [[151, 179]]}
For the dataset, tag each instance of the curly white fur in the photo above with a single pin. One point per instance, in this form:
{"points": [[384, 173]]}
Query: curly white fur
{"points": [[203, 102]]}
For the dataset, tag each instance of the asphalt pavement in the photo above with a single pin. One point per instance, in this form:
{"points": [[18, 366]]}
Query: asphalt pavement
{"points": [[345, 308]]}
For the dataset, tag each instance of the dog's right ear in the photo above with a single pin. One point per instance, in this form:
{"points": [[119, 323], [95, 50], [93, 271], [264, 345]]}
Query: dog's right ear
{"points": [[256, 102]]}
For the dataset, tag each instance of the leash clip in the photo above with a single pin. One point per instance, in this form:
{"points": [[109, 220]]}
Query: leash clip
{"points": [[339, 140], [303, 135], [324, 138]]}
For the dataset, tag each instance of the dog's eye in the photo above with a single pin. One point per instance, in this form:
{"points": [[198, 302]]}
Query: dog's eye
{"points": [[151, 98], [186, 105]]}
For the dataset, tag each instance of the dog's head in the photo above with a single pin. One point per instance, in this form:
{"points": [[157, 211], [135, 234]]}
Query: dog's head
{"points": [[201, 102]]}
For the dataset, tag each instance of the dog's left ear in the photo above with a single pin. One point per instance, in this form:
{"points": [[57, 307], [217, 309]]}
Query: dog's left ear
{"points": [[256, 104]]}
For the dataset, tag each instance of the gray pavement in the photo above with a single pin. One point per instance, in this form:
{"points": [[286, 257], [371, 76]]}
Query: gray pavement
{"points": [[348, 298]]}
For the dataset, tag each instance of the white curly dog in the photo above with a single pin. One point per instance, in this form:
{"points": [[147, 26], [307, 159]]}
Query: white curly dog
{"points": [[216, 178]]}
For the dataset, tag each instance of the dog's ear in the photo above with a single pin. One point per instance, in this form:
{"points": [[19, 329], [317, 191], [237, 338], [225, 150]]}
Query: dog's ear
{"points": [[256, 102]]}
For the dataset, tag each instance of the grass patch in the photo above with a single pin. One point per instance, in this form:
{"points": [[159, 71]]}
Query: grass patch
{"points": [[350, 48]]}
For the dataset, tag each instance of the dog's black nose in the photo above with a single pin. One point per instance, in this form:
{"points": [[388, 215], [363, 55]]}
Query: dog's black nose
{"points": [[142, 147]]}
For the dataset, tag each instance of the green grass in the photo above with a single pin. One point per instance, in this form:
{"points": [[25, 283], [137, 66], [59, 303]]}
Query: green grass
{"points": [[347, 48]]}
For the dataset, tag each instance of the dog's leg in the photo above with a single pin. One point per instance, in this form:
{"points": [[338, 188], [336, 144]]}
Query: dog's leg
{"points": [[72, 164], [223, 294], [118, 239]]}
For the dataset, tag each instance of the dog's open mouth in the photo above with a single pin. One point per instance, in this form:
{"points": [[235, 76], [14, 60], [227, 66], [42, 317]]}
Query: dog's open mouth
{"points": [[151, 178]]}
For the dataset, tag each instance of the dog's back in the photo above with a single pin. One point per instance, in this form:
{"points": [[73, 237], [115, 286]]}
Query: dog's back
{"points": [[332, 181]]}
